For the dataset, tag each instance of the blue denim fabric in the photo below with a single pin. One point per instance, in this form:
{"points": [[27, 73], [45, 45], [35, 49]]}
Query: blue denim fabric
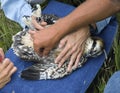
{"points": [[102, 24], [78, 81], [16, 9], [113, 85]]}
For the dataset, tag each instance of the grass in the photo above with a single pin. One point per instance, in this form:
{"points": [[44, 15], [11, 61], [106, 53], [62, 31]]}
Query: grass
{"points": [[9, 28], [116, 46]]}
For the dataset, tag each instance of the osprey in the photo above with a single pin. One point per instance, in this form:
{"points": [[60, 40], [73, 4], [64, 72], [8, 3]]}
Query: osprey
{"points": [[44, 67]]}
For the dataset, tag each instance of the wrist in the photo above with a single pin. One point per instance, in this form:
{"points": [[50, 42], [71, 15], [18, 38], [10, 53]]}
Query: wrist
{"points": [[62, 27]]}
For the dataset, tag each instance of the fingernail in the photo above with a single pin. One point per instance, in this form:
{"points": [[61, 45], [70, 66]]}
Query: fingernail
{"points": [[59, 65], [55, 61], [60, 46], [69, 70], [74, 67], [15, 68]]}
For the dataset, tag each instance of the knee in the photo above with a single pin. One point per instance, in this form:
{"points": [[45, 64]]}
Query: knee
{"points": [[113, 85]]}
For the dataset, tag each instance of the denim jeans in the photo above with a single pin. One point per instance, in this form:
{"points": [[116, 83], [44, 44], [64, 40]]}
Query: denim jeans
{"points": [[113, 85], [36, 1]]}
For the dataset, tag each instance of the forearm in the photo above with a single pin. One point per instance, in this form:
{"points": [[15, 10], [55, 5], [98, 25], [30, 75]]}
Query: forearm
{"points": [[88, 12], [16, 9]]}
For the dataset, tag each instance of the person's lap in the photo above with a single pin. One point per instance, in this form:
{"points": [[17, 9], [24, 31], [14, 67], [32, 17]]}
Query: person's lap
{"points": [[113, 85]]}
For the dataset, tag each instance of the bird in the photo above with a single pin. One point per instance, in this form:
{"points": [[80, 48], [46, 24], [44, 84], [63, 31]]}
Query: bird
{"points": [[44, 67]]}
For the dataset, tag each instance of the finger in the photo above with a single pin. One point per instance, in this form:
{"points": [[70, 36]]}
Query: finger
{"points": [[5, 63], [61, 62], [4, 79], [62, 54], [72, 61], [2, 84], [37, 47], [36, 25], [78, 58], [62, 43], [32, 33], [43, 23], [10, 69], [74, 49], [66, 56], [5, 72], [14, 69]]}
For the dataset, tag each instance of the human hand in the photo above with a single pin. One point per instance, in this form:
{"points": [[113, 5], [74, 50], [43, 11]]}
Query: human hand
{"points": [[44, 39], [73, 47], [40, 25], [7, 68]]}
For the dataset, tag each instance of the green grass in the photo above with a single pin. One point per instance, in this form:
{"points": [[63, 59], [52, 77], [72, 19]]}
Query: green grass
{"points": [[116, 47], [9, 28]]}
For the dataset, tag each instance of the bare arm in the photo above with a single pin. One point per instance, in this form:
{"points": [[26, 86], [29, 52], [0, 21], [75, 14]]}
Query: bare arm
{"points": [[7, 68], [88, 12]]}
